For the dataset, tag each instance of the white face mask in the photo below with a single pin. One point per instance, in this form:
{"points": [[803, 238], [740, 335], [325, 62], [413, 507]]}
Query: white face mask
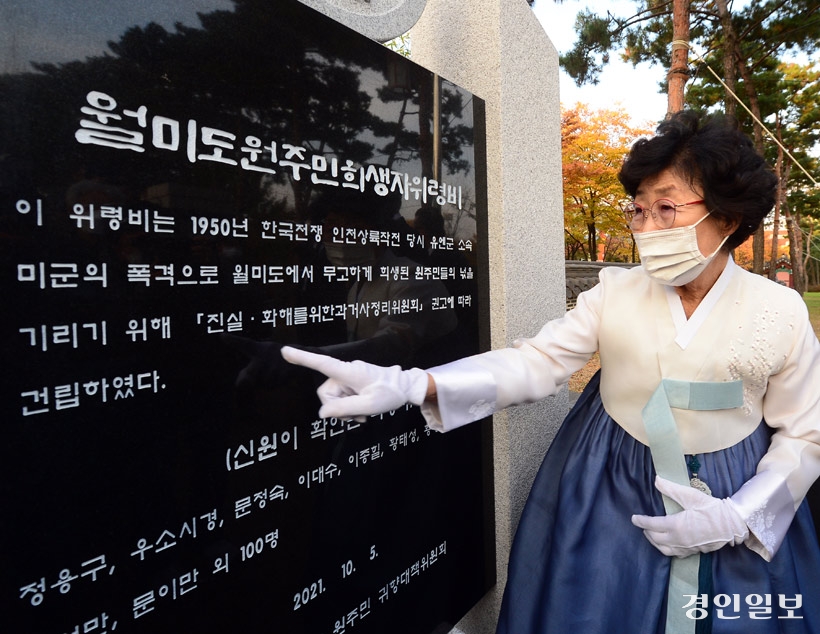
{"points": [[672, 256]]}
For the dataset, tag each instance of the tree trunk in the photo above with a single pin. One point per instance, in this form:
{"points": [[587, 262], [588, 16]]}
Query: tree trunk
{"points": [[812, 265], [776, 224], [814, 261], [796, 249], [758, 246], [592, 242], [775, 230], [729, 61], [732, 63], [678, 73]]}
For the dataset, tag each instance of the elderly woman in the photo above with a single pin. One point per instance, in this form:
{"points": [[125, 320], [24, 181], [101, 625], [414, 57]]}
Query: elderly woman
{"points": [[672, 497]]}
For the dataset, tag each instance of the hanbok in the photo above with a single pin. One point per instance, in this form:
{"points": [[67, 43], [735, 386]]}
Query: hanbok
{"points": [[578, 564]]}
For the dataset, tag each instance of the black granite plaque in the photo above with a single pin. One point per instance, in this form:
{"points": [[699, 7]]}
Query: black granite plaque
{"points": [[185, 187]]}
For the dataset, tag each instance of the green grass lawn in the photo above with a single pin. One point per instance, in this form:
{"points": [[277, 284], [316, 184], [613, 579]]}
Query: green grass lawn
{"points": [[813, 302]]}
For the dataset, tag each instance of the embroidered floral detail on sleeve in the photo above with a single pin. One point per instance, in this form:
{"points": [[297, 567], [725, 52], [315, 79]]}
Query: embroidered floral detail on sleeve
{"points": [[760, 523], [482, 408]]}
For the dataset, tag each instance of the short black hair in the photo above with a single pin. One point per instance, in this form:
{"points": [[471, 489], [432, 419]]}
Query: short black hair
{"points": [[738, 185]]}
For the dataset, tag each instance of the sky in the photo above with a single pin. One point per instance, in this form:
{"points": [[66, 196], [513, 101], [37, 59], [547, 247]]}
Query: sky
{"points": [[634, 89]]}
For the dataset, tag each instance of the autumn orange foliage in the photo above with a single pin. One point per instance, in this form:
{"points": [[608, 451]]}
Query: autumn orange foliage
{"points": [[593, 146]]}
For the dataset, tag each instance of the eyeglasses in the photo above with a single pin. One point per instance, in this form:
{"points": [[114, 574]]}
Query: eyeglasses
{"points": [[663, 213]]}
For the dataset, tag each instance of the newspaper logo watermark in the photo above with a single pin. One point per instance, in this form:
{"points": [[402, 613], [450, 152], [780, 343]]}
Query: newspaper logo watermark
{"points": [[732, 606]]}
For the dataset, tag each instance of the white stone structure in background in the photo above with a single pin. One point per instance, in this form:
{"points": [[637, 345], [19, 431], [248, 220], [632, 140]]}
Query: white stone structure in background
{"points": [[497, 50], [380, 20]]}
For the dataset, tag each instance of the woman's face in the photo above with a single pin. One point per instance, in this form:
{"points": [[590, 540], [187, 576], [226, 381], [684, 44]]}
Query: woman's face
{"points": [[667, 184]]}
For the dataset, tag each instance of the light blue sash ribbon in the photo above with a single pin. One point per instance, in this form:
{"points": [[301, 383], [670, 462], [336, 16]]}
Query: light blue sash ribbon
{"points": [[670, 463]]}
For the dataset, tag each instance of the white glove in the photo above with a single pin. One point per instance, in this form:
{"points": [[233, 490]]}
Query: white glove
{"points": [[704, 525], [357, 389]]}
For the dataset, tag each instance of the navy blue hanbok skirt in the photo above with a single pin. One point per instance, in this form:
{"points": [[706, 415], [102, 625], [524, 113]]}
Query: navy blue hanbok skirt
{"points": [[579, 566]]}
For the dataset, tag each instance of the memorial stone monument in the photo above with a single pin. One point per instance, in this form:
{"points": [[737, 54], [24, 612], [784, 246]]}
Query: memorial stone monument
{"points": [[185, 187]]}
